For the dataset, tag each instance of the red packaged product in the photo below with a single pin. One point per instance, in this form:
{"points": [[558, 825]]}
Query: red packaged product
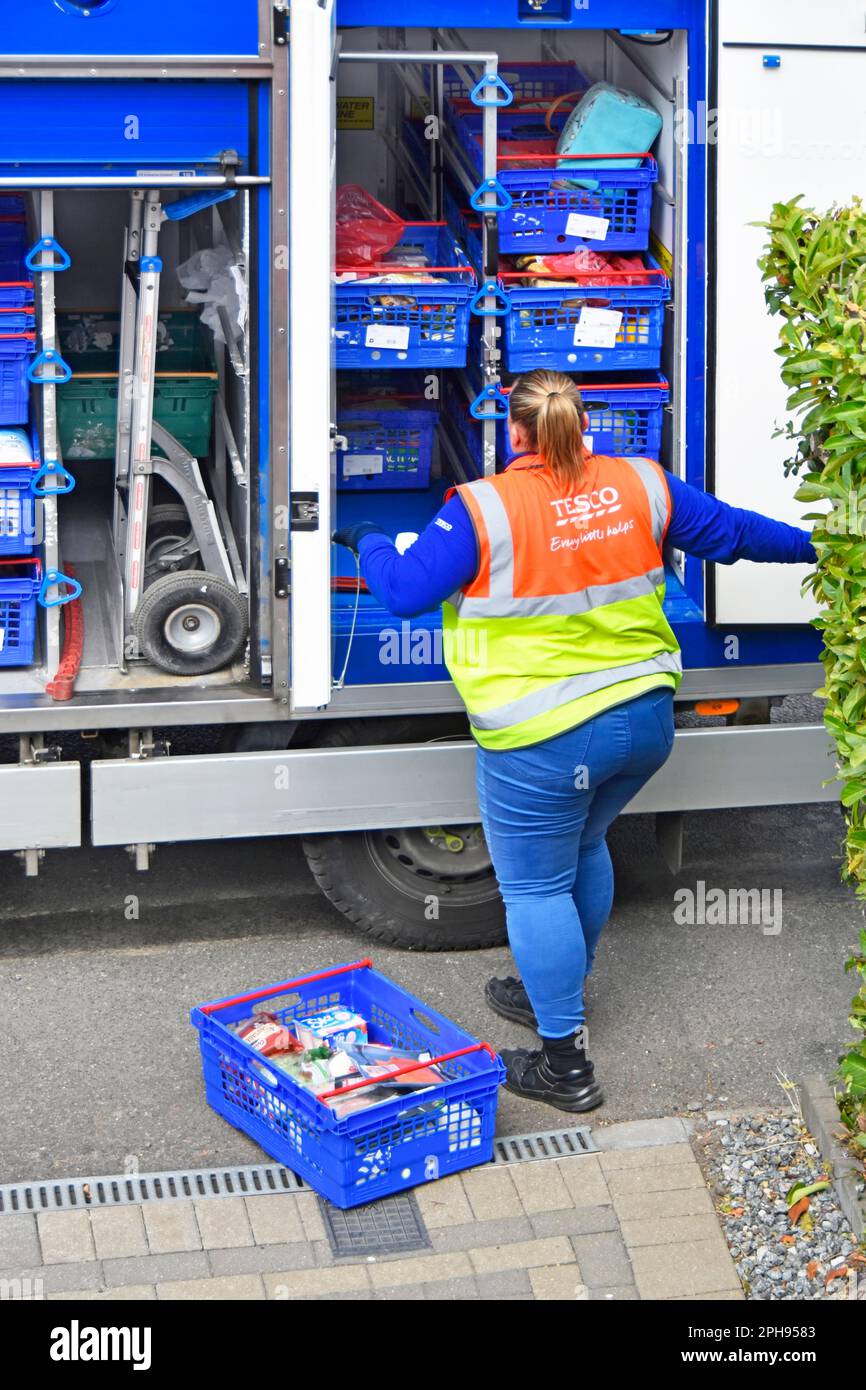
{"points": [[267, 1035]]}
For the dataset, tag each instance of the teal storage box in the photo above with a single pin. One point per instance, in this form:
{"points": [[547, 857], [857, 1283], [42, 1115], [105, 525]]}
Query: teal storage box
{"points": [[609, 120]]}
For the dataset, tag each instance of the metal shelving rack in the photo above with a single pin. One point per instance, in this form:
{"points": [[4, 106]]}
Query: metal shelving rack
{"points": [[403, 63]]}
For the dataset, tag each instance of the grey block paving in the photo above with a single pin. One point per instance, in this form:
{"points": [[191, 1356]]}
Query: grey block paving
{"points": [[265, 1258], [19, 1242], [118, 1232], [577, 1221], [641, 1134], [153, 1269], [632, 1221], [504, 1284], [603, 1259], [449, 1238], [65, 1236]]}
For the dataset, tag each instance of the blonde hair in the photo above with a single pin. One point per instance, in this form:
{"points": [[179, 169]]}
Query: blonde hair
{"points": [[549, 407]]}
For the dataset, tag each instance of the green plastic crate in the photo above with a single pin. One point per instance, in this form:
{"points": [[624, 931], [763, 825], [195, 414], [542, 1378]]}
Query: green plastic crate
{"points": [[186, 383]]}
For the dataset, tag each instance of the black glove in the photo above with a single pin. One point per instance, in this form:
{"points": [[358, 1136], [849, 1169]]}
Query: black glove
{"points": [[351, 536]]}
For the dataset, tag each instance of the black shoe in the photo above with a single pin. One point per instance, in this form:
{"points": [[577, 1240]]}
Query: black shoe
{"points": [[509, 998], [529, 1074]]}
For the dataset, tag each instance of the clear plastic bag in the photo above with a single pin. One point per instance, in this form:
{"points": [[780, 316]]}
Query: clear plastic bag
{"points": [[214, 279], [366, 230]]}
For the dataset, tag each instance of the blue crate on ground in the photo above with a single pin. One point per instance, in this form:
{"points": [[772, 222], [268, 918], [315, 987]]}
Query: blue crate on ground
{"points": [[19, 591], [389, 447], [544, 327], [370, 1154], [15, 352], [427, 326]]}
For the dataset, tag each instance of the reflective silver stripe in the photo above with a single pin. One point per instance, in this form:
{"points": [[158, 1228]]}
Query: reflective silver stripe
{"points": [[558, 693], [501, 546], [657, 493], [563, 605]]}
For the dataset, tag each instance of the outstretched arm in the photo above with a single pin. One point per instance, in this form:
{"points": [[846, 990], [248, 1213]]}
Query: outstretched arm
{"points": [[443, 559], [703, 526]]}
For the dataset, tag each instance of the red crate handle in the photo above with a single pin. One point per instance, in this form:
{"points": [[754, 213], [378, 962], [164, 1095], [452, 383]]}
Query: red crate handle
{"points": [[402, 1071], [268, 993], [544, 158], [395, 288]]}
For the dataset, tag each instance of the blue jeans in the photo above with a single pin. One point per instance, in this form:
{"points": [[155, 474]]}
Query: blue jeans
{"points": [[546, 810]]}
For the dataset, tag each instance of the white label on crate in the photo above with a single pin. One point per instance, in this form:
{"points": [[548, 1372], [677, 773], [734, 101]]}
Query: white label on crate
{"points": [[580, 224], [165, 173], [2, 638], [388, 335], [589, 443], [366, 464], [597, 328]]}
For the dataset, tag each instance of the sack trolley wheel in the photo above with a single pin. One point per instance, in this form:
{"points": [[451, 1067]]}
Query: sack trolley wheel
{"points": [[170, 545], [191, 623]]}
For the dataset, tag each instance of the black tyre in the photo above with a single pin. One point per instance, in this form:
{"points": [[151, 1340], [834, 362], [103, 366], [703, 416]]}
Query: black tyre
{"points": [[430, 889], [168, 526], [191, 623]]}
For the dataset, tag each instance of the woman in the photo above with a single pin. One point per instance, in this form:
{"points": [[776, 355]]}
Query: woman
{"points": [[552, 580]]}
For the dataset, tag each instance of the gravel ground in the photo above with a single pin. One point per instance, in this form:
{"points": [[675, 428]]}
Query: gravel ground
{"points": [[750, 1163]]}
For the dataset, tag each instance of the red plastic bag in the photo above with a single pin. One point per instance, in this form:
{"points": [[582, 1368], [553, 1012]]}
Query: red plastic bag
{"points": [[366, 231]]}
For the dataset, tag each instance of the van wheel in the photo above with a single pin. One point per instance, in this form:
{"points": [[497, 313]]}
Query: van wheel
{"points": [[423, 889]]}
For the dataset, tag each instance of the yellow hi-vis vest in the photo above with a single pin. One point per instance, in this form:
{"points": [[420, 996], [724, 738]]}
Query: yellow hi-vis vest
{"points": [[565, 616]]}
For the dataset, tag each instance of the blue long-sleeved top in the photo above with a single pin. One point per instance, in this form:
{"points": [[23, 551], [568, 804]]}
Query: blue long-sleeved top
{"points": [[445, 556]]}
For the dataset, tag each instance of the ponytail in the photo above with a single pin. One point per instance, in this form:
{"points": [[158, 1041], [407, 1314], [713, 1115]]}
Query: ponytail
{"points": [[549, 407]]}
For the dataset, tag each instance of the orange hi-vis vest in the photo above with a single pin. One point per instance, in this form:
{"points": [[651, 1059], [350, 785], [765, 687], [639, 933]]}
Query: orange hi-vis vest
{"points": [[565, 616]]}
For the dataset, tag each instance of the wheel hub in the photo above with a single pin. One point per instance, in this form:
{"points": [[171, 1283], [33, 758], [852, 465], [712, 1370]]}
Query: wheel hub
{"points": [[449, 859], [192, 627]]}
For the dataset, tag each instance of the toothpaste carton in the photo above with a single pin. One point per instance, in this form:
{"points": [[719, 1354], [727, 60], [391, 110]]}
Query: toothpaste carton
{"points": [[336, 1027]]}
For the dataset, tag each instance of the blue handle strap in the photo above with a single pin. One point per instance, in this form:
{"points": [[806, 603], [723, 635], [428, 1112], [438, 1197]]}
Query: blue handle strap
{"points": [[61, 480], [493, 394], [57, 578], [62, 370], [47, 245], [488, 290], [196, 202], [492, 185], [496, 82]]}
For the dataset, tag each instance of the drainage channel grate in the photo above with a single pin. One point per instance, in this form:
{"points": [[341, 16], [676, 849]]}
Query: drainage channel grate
{"points": [[146, 1189], [551, 1143], [388, 1227]]}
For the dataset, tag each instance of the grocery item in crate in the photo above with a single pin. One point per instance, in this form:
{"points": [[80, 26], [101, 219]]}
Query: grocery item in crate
{"points": [[15, 447], [584, 264], [374, 1060], [365, 229], [610, 120], [264, 1033], [336, 1027]]}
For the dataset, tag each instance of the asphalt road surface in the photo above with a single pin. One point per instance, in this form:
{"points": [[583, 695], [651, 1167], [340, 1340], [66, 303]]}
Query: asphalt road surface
{"points": [[100, 1066]]}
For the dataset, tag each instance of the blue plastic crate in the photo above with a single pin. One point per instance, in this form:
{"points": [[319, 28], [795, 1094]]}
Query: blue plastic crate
{"points": [[430, 328], [464, 225], [541, 325], [389, 446], [552, 196], [18, 602], [17, 511], [626, 416], [13, 247], [387, 1148], [538, 82], [15, 353]]}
